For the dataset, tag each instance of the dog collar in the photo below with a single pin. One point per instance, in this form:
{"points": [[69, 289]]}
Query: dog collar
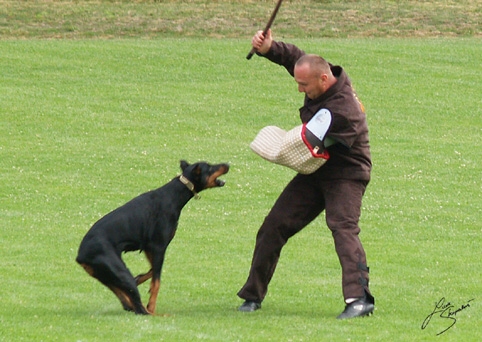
{"points": [[189, 185]]}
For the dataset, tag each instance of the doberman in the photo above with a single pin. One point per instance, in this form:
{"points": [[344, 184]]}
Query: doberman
{"points": [[146, 223]]}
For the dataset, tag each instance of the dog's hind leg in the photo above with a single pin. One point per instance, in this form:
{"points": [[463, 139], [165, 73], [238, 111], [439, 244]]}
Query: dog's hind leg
{"points": [[126, 291], [123, 297], [125, 288], [111, 271]]}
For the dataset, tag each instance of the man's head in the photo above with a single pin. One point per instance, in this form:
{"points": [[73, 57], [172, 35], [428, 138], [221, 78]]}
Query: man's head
{"points": [[313, 75]]}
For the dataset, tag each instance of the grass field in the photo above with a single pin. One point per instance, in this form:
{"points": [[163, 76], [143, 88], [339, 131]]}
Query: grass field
{"points": [[87, 124], [55, 19]]}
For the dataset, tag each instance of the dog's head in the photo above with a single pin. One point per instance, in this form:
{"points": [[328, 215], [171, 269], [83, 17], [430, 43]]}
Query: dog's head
{"points": [[203, 175]]}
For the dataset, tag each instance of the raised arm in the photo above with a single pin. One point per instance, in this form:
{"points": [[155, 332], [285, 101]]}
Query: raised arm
{"points": [[280, 53]]}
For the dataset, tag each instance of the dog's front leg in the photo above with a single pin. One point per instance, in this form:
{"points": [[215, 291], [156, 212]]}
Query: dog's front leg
{"points": [[141, 278], [154, 291], [157, 263]]}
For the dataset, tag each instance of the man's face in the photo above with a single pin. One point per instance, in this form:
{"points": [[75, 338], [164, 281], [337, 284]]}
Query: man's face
{"points": [[308, 83]]}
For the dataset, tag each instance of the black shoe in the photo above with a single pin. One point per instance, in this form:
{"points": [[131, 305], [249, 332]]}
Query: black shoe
{"points": [[359, 308], [249, 306]]}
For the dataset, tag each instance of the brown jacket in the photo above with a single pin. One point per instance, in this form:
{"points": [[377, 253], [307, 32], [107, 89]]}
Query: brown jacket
{"points": [[350, 156]]}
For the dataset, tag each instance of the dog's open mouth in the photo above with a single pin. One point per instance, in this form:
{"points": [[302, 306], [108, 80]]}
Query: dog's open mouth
{"points": [[221, 171]]}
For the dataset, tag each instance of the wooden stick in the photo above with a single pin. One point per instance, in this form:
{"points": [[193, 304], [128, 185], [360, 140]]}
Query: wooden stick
{"points": [[273, 15]]}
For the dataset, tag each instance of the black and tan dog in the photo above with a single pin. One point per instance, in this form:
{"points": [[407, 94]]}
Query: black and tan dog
{"points": [[147, 223]]}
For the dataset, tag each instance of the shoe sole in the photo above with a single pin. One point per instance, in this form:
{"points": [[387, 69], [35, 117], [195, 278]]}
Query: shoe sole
{"points": [[244, 308], [365, 314]]}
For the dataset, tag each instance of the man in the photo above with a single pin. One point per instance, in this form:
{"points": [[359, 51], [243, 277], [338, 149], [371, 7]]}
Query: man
{"points": [[337, 187]]}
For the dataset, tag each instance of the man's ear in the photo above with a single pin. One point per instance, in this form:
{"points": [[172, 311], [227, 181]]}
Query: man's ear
{"points": [[184, 164]]}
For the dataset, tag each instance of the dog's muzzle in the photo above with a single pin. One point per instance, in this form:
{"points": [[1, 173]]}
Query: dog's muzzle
{"points": [[223, 169]]}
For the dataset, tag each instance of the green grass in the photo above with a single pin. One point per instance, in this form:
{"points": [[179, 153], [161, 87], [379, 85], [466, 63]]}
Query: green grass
{"points": [[86, 125], [107, 19]]}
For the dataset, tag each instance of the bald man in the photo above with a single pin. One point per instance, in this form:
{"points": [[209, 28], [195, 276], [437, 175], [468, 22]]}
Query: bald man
{"points": [[336, 188]]}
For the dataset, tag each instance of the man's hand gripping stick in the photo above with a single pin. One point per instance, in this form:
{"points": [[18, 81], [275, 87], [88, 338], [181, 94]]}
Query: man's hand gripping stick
{"points": [[268, 26]]}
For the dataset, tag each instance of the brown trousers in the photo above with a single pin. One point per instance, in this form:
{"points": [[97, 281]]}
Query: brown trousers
{"points": [[303, 199]]}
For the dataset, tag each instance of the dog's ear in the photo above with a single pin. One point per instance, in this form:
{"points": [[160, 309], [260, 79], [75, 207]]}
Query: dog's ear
{"points": [[184, 164], [197, 170]]}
